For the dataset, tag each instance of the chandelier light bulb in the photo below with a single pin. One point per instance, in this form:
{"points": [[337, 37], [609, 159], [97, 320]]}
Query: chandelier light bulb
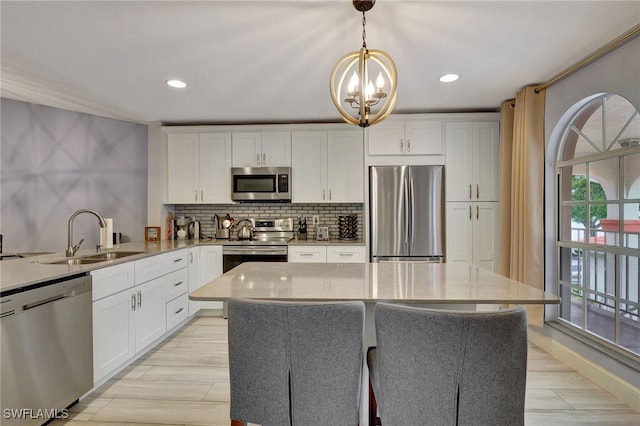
{"points": [[380, 82], [353, 83], [370, 90]]}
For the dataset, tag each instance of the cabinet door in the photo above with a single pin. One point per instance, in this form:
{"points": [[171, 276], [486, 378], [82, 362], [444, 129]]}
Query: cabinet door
{"points": [[345, 167], [485, 234], [486, 155], [459, 161], [246, 149], [459, 233], [276, 149], [386, 138], [150, 313], [194, 277], [423, 137], [113, 333], [210, 269], [215, 168], [309, 167], [182, 170]]}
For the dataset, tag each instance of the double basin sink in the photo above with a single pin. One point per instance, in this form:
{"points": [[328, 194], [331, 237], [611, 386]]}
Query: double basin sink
{"points": [[95, 258]]}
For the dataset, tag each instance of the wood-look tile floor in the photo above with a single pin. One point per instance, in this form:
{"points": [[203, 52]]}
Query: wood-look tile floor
{"points": [[185, 381]]}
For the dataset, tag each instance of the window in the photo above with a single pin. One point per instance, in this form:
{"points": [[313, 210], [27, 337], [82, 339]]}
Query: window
{"points": [[598, 193]]}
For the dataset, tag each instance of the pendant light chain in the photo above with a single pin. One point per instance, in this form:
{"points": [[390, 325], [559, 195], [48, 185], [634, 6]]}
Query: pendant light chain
{"points": [[364, 31]]}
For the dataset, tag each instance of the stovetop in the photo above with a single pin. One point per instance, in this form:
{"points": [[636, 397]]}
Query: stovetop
{"points": [[269, 242], [267, 232]]}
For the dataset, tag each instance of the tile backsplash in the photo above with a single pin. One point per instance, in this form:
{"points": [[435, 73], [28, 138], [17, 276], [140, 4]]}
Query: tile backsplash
{"points": [[328, 214]]}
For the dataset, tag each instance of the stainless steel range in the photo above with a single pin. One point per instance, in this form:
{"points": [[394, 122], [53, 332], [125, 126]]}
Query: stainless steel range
{"points": [[268, 244]]}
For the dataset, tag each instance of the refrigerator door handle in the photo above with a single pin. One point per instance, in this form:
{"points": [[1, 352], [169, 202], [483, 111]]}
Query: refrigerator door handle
{"points": [[412, 214], [406, 212]]}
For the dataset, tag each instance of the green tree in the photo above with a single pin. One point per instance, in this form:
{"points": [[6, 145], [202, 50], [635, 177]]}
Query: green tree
{"points": [[579, 213]]}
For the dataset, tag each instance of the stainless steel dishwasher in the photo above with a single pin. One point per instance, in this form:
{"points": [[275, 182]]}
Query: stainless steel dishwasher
{"points": [[47, 349]]}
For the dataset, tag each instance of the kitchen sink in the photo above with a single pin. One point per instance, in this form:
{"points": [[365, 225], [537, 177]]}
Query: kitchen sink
{"points": [[95, 258]]}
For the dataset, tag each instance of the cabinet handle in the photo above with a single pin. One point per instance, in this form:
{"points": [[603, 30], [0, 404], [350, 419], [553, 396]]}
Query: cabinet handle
{"points": [[190, 257], [401, 145], [139, 299], [258, 159], [345, 254], [470, 212], [201, 195], [329, 194], [178, 260], [196, 195], [179, 310], [306, 254], [177, 284], [469, 191], [477, 212], [408, 145], [133, 301], [323, 194], [477, 191], [264, 159]]}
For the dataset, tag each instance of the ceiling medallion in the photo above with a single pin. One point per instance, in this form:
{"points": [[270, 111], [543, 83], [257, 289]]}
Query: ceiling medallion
{"points": [[369, 102]]}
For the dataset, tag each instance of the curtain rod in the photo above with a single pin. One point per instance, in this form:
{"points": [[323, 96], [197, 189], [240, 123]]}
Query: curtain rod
{"points": [[629, 35]]}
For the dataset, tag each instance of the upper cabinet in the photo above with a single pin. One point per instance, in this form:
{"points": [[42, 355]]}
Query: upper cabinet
{"points": [[472, 160], [261, 149], [198, 168], [406, 137], [328, 167]]}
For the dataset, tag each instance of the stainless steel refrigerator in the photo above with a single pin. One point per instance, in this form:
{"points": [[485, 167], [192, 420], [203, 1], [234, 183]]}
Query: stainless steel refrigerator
{"points": [[407, 213]]}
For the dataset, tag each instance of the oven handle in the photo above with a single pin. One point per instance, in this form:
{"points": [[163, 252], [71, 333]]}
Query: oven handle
{"points": [[255, 250]]}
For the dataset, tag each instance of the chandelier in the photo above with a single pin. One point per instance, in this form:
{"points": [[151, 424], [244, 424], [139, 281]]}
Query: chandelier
{"points": [[369, 103]]}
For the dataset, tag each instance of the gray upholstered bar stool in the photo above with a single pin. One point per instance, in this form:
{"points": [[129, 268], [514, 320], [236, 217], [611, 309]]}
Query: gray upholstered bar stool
{"points": [[297, 364], [437, 367]]}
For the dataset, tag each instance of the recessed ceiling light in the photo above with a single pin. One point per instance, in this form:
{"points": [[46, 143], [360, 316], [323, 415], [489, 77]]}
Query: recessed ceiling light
{"points": [[178, 84], [448, 78]]}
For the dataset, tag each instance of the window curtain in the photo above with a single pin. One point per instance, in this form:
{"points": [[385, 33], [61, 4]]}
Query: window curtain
{"points": [[521, 233]]}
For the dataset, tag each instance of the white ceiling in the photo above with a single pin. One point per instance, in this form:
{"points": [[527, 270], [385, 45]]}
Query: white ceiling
{"points": [[269, 61]]}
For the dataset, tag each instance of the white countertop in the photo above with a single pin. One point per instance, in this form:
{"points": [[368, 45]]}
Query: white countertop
{"points": [[404, 282], [21, 272]]}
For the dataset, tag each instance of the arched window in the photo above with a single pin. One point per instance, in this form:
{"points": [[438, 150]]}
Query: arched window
{"points": [[598, 207]]}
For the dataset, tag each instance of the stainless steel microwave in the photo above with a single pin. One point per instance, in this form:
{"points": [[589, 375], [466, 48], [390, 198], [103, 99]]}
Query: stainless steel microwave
{"points": [[261, 184]]}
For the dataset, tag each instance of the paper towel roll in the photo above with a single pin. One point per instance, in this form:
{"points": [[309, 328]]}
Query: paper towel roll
{"points": [[108, 243]]}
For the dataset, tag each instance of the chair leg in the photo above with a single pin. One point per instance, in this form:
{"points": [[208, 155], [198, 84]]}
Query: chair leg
{"points": [[373, 407], [237, 422]]}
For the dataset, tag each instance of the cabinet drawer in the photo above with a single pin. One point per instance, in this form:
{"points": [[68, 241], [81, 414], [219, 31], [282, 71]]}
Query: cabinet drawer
{"points": [[159, 265], [348, 254], [316, 254], [177, 310], [176, 283], [111, 280]]}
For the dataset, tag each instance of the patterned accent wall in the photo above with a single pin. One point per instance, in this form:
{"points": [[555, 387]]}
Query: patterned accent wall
{"points": [[329, 214], [54, 162]]}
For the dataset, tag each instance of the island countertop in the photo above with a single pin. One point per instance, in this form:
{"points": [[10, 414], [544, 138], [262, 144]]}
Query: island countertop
{"points": [[403, 282]]}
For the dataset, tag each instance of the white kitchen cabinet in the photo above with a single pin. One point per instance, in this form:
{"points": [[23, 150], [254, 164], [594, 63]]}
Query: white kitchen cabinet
{"points": [[346, 254], [327, 167], [150, 313], [194, 277], [261, 149], [310, 254], [472, 161], [472, 233], [406, 137], [327, 254], [198, 168], [210, 269]]}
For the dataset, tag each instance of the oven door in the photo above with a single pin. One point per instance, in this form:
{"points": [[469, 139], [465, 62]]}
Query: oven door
{"points": [[233, 256]]}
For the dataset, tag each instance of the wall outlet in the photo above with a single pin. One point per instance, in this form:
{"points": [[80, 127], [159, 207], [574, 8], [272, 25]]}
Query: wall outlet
{"points": [[316, 220]]}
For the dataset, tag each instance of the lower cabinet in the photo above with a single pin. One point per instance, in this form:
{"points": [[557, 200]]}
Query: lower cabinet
{"points": [[210, 269], [129, 315], [327, 254]]}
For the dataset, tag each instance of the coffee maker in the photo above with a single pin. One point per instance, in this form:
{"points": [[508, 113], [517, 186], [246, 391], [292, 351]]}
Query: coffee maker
{"points": [[181, 228]]}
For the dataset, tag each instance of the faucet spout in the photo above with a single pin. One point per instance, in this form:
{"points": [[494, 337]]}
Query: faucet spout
{"points": [[71, 249]]}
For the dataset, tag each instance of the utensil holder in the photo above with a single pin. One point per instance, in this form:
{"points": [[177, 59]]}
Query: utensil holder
{"points": [[222, 234]]}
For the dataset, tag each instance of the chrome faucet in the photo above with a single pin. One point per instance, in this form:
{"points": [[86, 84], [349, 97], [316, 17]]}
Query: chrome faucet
{"points": [[71, 249]]}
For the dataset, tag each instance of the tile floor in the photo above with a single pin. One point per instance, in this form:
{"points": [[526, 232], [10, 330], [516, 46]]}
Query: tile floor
{"points": [[185, 381]]}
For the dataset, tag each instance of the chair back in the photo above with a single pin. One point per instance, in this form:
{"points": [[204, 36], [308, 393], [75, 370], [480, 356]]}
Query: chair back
{"points": [[295, 363], [441, 367]]}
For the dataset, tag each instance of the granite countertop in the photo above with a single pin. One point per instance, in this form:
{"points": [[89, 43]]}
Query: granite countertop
{"points": [[21, 272]]}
